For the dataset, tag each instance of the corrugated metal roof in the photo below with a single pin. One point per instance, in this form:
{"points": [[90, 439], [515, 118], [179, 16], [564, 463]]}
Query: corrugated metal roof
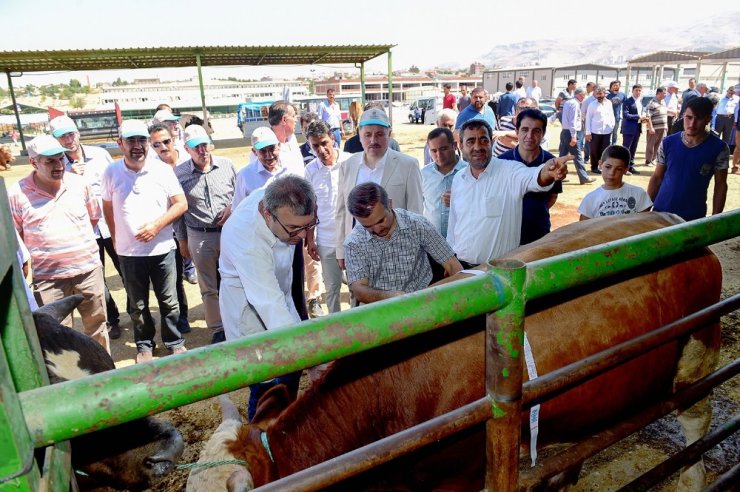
{"points": [[133, 58], [731, 54], [670, 57]]}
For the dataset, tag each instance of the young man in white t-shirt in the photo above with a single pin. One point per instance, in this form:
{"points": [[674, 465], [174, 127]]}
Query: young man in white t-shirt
{"points": [[614, 197]]}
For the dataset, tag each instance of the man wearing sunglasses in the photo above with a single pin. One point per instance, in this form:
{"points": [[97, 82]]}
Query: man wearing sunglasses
{"points": [[165, 147], [141, 199], [257, 248], [386, 252]]}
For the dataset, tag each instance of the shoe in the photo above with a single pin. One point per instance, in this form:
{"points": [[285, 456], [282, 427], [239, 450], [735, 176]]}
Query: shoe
{"points": [[629, 172], [114, 331], [314, 309], [142, 357], [595, 171], [566, 180], [179, 350], [635, 171], [192, 278], [735, 170], [183, 326], [589, 180], [650, 164], [218, 337]]}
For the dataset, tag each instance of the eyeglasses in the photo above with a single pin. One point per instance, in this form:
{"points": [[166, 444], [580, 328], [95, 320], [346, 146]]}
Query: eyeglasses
{"points": [[157, 145], [297, 231]]}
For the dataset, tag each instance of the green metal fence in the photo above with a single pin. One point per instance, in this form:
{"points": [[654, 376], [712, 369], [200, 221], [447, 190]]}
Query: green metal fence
{"points": [[34, 415]]}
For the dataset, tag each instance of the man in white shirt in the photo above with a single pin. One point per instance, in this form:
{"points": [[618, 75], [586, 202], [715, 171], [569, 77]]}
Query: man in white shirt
{"points": [[90, 162], [396, 172], [323, 174], [486, 202], [534, 91], [331, 113], [269, 163], [141, 199], [600, 122], [723, 123], [257, 248], [166, 118], [671, 102], [165, 146], [282, 118]]}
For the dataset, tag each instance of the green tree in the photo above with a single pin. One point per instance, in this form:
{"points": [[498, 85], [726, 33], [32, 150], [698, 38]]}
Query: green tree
{"points": [[414, 69], [77, 102], [75, 84]]}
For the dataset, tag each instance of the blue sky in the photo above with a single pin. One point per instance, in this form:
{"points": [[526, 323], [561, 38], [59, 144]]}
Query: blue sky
{"points": [[427, 33]]}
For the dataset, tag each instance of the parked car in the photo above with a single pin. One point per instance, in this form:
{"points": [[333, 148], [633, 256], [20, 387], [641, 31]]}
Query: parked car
{"points": [[548, 109]]}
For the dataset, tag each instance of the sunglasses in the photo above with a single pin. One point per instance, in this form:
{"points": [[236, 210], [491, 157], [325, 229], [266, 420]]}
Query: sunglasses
{"points": [[157, 145]]}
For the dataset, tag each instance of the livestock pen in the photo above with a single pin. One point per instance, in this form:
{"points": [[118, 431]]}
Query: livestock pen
{"points": [[34, 415]]}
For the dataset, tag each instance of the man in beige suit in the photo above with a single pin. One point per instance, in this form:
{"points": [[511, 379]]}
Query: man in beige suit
{"points": [[399, 174]]}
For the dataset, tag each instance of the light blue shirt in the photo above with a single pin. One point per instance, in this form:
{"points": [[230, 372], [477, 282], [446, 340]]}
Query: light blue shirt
{"points": [[433, 185], [572, 116], [470, 113], [254, 176]]}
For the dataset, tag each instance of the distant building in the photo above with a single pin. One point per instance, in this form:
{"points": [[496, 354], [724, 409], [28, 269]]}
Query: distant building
{"points": [[406, 88], [552, 80], [476, 69]]}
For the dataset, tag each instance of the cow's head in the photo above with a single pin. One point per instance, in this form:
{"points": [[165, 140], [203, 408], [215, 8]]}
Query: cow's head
{"points": [[129, 456]]}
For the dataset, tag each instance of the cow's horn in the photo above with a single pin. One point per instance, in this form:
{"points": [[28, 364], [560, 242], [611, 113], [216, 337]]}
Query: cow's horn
{"points": [[62, 308]]}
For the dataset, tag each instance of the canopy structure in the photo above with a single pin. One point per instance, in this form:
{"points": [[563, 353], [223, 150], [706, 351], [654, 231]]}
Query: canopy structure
{"points": [[18, 62]]}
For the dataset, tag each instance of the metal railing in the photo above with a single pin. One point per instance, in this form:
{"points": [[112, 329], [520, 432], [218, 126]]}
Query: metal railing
{"points": [[52, 412]]}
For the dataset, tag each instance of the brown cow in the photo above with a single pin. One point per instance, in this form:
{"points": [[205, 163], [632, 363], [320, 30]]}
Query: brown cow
{"points": [[369, 396]]}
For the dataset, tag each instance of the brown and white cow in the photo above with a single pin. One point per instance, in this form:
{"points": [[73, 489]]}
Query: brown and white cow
{"points": [[129, 456], [366, 397]]}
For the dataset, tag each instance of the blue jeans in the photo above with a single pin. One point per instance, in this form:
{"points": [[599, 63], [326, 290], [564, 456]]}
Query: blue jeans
{"points": [[337, 137], [576, 150], [161, 270], [615, 132]]}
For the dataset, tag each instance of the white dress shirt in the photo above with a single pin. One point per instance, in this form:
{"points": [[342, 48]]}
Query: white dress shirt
{"points": [[600, 118], [255, 176], [96, 161], [256, 274], [325, 182], [486, 213], [371, 175]]}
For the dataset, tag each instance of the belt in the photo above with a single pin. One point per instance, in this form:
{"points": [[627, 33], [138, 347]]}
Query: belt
{"points": [[205, 229], [725, 115]]}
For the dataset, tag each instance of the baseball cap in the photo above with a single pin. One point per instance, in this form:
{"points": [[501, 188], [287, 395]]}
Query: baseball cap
{"points": [[263, 137], [374, 116], [61, 125], [671, 84], [164, 115], [45, 145], [195, 135], [133, 128]]}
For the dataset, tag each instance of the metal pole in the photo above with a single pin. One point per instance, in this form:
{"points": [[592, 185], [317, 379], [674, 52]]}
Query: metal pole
{"points": [[504, 366], [362, 83], [17, 115], [390, 87], [202, 92]]}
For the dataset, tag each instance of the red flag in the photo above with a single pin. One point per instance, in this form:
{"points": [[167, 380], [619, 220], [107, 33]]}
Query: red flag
{"points": [[53, 113], [119, 117]]}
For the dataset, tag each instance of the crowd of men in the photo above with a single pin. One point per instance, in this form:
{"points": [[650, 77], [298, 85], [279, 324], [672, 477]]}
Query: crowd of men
{"points": [[269, 240]]}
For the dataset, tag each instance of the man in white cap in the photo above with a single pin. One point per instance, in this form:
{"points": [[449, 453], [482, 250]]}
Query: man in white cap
{"points": [[208, 183], [90, 161], [54, 213], [141, 199], [398, 173], [268, 163], [166, 118], [165, 145]]}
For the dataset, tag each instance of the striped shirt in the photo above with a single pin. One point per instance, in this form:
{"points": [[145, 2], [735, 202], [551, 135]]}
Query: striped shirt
{"points": [[56, 229], [658, 114], [505, 124], [208, 193]]}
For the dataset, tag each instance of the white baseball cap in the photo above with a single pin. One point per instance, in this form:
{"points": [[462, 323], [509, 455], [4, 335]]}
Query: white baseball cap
{"points": [[133, 128], [45, 145], [61, 125], [164, 115], [195, 135], [374, 116], [263, 137]]}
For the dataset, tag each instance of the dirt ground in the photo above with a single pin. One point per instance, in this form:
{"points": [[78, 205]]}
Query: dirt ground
{"points": [[609, 470]]}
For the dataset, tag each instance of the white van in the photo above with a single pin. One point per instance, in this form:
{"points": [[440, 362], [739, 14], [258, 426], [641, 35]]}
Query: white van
{"points": [[424, 110]]}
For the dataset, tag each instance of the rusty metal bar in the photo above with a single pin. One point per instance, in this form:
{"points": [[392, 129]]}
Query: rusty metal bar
{"points": [[558, 381], [728, 481], [367, 457], [585, 449], [53, 412], [504, 373], [687, 456]]}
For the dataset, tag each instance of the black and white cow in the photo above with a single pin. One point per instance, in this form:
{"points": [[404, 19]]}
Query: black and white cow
{"points": [[129, 456]]}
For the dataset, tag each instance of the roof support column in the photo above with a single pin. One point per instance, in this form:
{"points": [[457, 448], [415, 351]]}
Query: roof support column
{"points": [[662, 74], [724, 77], [17, 115], [362, 83], [202, 92], [629, 74], [390, 86]]}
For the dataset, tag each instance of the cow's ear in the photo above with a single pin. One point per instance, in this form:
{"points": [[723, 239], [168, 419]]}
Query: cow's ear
{"points": [[62, 308], [272, 404]]}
